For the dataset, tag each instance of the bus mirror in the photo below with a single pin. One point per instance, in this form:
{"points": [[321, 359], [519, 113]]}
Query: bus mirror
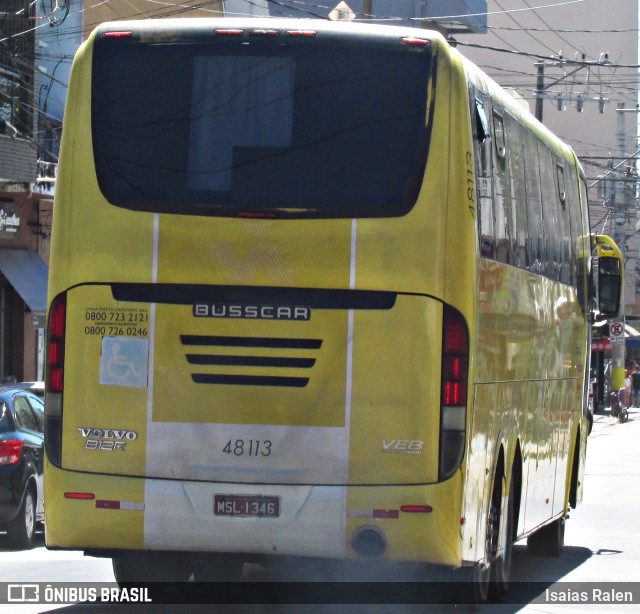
{"points": [[609, 286], [609, 277]]}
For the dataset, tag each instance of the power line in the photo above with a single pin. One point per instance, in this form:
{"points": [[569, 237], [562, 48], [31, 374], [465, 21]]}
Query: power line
{"points": [[546, 6], [536, 56]]}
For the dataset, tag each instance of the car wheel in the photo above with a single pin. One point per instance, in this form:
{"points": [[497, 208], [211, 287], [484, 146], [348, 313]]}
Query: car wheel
{"points": [[22, 529]]}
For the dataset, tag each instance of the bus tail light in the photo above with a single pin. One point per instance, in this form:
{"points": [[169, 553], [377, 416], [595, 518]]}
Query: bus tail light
{"points": [[55, 344], [455, 371], [56, 333]]}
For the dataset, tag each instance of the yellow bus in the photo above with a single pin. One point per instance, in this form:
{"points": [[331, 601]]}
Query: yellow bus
{"points": [[316, 290]]}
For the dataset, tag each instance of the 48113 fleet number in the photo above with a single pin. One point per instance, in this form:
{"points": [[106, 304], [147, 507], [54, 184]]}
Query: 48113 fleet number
{"points": [[248, 447]]}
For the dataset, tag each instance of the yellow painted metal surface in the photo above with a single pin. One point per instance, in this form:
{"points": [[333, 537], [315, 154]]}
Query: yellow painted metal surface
{"points": [[370, 412]]}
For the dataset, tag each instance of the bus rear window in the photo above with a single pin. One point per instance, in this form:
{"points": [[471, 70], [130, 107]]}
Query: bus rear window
{"points": [[302, 130]]}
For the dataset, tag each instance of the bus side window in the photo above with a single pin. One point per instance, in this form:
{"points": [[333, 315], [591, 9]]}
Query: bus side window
{"points": [[515, 167], [573, 219], [502, 193], [584, 274], [498, 127], [536, 254], [549, 212], [481, 107], [564, 226]]}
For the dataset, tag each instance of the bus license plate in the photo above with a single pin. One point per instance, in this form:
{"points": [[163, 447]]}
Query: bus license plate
{"points": [[246, 505]]}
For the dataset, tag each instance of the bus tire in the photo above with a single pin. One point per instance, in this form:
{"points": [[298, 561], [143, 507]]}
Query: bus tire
{"points": [[501, 566], [547, 540], [217, 568], [142, 567], [478, 579]]}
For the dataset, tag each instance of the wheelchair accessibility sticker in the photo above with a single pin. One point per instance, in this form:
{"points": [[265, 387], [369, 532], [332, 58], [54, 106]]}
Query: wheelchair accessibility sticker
{"points": [[124, 362]]}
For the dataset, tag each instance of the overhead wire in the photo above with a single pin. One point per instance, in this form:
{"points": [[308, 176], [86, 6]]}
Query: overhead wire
{"points": [[529, 34], [535, 12]]}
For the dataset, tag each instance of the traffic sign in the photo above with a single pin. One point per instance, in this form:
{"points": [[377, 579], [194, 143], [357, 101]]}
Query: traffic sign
{"points": [[616, 329]]}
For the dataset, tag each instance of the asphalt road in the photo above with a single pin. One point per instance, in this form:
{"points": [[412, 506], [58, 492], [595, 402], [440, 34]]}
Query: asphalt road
{"points": [[602, 545]]}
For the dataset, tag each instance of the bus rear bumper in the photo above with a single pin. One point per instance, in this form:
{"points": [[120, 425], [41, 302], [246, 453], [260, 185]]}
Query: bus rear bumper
{"points": [[335, 522]]}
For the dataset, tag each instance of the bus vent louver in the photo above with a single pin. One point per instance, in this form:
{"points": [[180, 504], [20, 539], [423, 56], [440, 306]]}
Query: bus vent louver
{"points": [[250, 359]]}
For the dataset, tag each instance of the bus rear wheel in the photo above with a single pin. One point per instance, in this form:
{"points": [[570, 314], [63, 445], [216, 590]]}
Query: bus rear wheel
{"points": [[490, 578], [501, 566], [479, 578]]}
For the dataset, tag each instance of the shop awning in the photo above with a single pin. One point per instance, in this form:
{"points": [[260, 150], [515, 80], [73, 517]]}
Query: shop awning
{"points": [[28, 274], [629, 331]]}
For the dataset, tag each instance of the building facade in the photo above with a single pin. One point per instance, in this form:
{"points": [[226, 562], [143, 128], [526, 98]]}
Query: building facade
{"points": [[25, 208]]}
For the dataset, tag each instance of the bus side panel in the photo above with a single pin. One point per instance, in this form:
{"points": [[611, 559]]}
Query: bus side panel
{"points": [[518, 340]]}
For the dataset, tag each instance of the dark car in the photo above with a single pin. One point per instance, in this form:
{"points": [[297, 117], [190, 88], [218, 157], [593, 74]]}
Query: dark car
{"points": [[21, 462], [36, 388]]}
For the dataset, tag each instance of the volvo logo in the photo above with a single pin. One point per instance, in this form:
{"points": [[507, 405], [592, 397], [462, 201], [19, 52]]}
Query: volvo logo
{"points": [[255, 312], [109, 440]]}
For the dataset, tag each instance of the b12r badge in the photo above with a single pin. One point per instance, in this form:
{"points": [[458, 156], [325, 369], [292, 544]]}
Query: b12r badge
{"points": [[108, 440]]}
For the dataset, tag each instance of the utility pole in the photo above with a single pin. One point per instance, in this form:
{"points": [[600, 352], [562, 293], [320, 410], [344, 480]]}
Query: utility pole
{"points": [[624, 204], [561, 62], [367, 9], [540, 91]]}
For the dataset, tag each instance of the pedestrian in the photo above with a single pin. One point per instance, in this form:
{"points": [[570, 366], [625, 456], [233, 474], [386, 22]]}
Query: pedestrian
{"points": [[635, 386]]}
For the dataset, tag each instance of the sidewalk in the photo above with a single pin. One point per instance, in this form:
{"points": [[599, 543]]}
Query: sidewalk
{"points": [[634, 414]]}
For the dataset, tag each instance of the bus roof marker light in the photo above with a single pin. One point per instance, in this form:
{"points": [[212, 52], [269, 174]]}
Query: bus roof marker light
{"points": [[303, 33], [264, 32], [411, 40], [229, 31], [118, 34]]}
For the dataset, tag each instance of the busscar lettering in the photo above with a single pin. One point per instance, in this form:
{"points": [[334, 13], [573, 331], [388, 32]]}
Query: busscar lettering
{"points": [[255, 312]]}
